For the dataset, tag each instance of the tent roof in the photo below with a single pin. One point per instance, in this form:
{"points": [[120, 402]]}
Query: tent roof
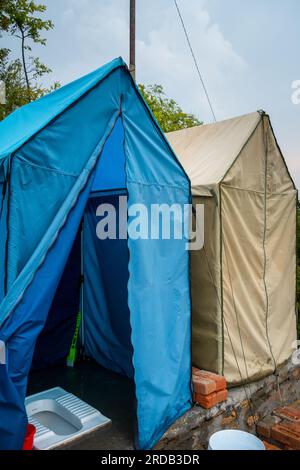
{"points": [[26, 121], [208, 151]]}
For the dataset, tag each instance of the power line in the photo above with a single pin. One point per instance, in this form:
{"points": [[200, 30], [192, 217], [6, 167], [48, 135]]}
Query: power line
{"points": [[195, 60]]}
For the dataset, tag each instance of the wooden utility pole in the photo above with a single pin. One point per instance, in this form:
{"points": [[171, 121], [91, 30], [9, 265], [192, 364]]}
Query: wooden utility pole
{"points": [[132, 39]]}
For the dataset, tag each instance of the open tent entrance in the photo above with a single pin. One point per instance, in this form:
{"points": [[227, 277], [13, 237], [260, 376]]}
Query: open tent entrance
{"points": [[93, 291], [55, 168]]}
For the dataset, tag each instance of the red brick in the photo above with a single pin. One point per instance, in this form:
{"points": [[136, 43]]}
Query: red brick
{"points": [[203, 386], [269, 446], [263, 427], [288, 448], [218, 379], [289, 413], [209, 401], [287, 433], [195, 371], [295, 427], [222, 395], [296, 404]]}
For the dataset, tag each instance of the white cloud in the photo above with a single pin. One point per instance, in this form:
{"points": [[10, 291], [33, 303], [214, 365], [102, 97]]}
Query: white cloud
{"points": [[241, 75], [163, 56], [162, 52]]}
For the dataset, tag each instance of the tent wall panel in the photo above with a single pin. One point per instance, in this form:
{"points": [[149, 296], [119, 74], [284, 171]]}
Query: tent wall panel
{"points": [[56, 222], [278, 177], [248, 170], [110, 173], [56, 146], [266, 172], [3, 237], [106, 322], [281, 274], [161, 398], [208, 151], [3, 232], [21, 329], [207, 328], [25, 308], [24, 123], [26, 226], [144, 141], [166, 320], [53, 157], [53, 343], [244, 301]]}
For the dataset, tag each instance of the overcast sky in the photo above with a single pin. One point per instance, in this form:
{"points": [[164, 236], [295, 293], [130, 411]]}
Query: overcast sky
{"points": [[248, 52]]}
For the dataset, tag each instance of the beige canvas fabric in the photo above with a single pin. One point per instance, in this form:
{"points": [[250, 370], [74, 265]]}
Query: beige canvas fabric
{"points": [[243, 281], [207, 152], [207, 328]]}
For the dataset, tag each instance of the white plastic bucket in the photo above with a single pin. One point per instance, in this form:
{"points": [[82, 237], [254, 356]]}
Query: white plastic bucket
{"points": [[232, 439]]}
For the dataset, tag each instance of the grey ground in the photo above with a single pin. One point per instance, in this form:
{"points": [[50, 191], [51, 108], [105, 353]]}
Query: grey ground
{"points": [[110, 393]]}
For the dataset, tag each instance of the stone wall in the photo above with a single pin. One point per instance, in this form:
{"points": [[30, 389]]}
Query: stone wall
{"points": [[243, 409]]}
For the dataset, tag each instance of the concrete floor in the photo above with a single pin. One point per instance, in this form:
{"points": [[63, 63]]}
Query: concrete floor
{"points": [[110, 393]]}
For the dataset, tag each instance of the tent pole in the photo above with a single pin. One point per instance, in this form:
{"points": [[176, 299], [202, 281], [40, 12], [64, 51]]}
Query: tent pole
{"points": [[132, 39]]}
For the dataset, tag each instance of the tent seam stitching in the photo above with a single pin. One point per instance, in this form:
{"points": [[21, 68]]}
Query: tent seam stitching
{"points": [[157, 184], [60, 112], [284, 193], [242, 148], [12, 310], [54, 170]]}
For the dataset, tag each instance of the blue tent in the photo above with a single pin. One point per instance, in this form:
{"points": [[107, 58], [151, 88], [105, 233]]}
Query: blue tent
{"points": [[58, 157]]}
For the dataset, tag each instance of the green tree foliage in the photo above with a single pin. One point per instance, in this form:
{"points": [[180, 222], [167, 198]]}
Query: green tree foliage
{"points": [[11, 75], [168, 113], [22, 76], [16, 91]]}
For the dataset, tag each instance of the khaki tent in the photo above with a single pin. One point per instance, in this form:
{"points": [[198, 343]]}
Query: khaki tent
{"points": [[243, 280]]}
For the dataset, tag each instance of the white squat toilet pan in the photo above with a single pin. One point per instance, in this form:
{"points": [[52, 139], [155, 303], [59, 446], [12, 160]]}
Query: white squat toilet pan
{"points": [[60, 417]]}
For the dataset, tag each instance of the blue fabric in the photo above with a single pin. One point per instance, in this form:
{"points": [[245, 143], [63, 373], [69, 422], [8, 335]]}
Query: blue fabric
{"points": [[24, 310], [13, 418], [107, 332], [26, 121], [2, 177], [50, 181], [63, 159], [110, 172], [53, 344], [21, 329], [158, 271], [3, 236]]}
